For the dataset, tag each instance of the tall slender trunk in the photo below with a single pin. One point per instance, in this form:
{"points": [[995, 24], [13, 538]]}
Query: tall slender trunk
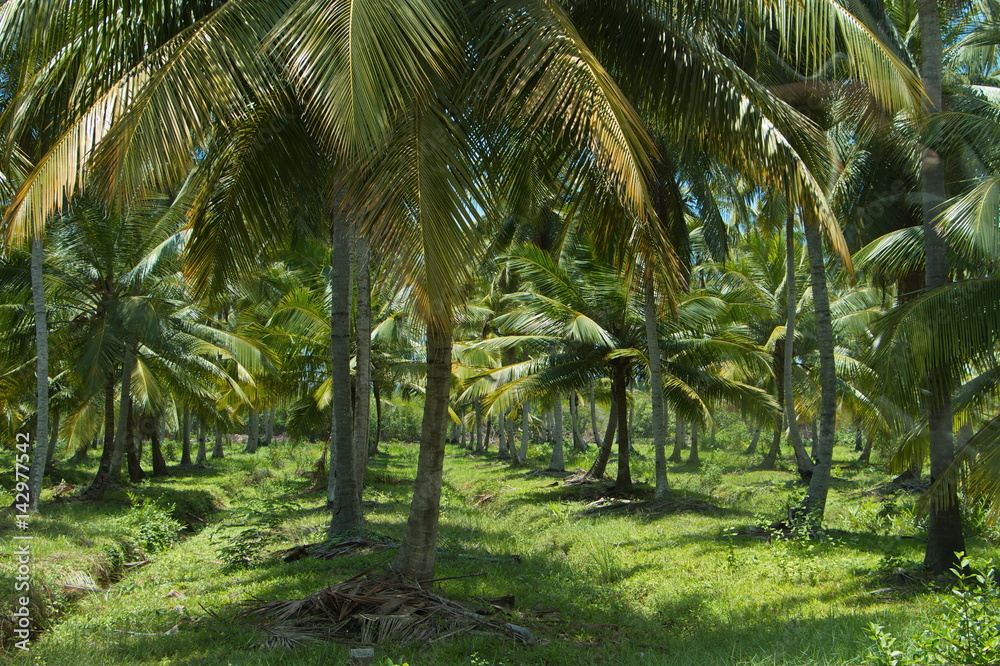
{"points": [[814, 504], [37, 470], [693, 457], [132, 453], [623, 482], [186, 439], [503, 451], [662, 489], [944, 529], [488, 434], [268, 428], [219, 451], [771, 457], [253, 432], [377, 399], [866, 453], [604, 453], [525, 432], [558, 462], [202, 443], [574, 422], [593, 417], [417, 552], [159, 464], [802, 462], [53, 438], [363, 359], [342, 483], [479, 427], [752, 448], [125, 398], [859, 443], [675, 454], [95, 491]]}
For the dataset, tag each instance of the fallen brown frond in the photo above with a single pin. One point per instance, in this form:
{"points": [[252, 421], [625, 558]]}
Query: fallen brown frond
{"points": [[368, 609], [328, 550]]}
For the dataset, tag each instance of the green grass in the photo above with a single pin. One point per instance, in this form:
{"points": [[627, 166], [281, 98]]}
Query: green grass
{"points": [[612, 588]]}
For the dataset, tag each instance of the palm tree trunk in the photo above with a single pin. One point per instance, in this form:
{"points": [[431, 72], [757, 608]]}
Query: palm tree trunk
{"points": [[866, 453], [619, 381], [53, 438], [752, 448], [41, 378], [159, 464], [135, 473], [128, 364], [593, 417], [814, 504], [219, 450], [268, 428], [525, 432], [503, 451], [253, 432], [202, 443], [771, 457], [944, 529], [479, 427], [600, 465], [342, 483], [662, 489], [363, 359], [802, 461], [186, 439], [377, 399], [95, 491], [693, 457], [558, 462], [574, 422], [675, 454], [417, 552]]}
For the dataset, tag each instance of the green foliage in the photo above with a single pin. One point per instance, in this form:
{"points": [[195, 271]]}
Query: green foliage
{"points": [[148, 525], [873, 516], [606, 564], [253, 529], [967, 630], [401, 421]]}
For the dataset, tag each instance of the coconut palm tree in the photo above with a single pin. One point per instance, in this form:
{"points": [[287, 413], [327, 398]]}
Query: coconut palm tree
{"points": [[582, 322], [399, 108]]}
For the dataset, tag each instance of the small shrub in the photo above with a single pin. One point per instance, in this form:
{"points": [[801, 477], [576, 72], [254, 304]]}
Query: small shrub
{"points": [[148, 525], [966, 632], [253, 529], [872, 516]]}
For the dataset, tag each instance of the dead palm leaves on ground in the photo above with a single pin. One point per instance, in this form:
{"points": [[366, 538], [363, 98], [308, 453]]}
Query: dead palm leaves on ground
{"points": [[606, 505], [372, 608], [327, 550]]}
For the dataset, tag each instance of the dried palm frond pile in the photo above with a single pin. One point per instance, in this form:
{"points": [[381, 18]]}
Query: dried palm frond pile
{"points": [[372, 608], [606, 505], [328, 550]]}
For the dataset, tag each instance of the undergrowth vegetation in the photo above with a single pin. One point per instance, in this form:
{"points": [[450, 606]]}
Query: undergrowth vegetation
{"points": [[158, 575]]}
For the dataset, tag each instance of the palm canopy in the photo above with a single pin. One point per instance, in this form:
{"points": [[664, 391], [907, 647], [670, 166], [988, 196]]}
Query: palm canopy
{"points": [[580, 321]]}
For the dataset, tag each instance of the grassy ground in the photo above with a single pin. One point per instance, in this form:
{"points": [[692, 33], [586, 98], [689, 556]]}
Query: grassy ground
{"points": [[693, 585]]}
